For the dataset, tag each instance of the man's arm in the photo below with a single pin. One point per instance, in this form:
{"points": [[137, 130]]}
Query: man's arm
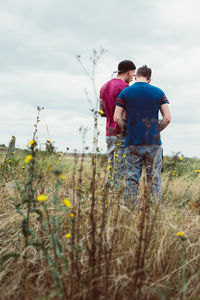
{"points": [[118, 114], [164, 109]]}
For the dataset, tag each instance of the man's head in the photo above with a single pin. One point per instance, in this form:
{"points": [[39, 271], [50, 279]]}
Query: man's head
{"points": [[143, 74], [126, 70]]}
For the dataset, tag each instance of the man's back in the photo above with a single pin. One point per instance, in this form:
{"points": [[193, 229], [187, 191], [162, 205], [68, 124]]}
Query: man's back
{"points": [[142, 103], [108, 94]]}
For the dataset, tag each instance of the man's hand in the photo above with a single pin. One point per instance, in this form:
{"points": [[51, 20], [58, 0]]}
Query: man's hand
{"points": [[164, 109]]}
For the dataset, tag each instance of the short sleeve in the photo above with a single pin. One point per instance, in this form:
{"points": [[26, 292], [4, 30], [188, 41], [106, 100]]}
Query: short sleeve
{"points": [[120, 100], [164, 99]]}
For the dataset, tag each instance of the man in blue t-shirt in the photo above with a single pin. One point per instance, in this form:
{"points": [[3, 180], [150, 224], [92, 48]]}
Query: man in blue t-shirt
{"points": [[142, 103]]}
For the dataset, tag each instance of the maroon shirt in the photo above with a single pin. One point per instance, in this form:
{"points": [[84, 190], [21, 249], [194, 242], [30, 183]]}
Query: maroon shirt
{"points": [[109, 92]]}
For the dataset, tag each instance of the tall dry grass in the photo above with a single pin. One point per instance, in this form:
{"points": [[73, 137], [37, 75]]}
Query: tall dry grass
{"points": [[114, 252]]}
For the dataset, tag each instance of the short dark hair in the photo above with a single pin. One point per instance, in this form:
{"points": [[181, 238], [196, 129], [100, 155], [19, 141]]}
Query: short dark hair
{"points": [[144, 71]]}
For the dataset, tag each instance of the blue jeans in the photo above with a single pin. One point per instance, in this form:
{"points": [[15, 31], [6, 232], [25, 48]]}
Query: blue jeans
{"points": [[152, 157], [115, 152]]}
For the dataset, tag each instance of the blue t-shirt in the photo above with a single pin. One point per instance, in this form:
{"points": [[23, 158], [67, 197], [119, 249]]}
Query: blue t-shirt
{"points": [[142, 103]]}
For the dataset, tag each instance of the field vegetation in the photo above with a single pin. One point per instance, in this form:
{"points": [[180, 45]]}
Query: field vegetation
{"points": [[66, 235]]}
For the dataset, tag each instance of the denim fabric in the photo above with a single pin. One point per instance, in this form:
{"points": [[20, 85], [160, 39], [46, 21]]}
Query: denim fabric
{"points": [[152, 157], [115, 152]]}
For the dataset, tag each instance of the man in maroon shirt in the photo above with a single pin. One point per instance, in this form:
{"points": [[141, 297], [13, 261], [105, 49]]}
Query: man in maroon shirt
{"points": [[114, 137]]}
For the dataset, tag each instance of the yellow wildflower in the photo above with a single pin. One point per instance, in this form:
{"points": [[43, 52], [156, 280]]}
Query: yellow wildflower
{"points": [[108, 167], [101, 112], [74, 187], [60, 154], [118, 144], [181, 158], [180, 233], [72, 215], [67, 202], [30, 143], [49, 141], [99, 202], [62, 176], [41, 198], [28, 158], [124, 155], [109, 176], [68, 235], [116, 155]]}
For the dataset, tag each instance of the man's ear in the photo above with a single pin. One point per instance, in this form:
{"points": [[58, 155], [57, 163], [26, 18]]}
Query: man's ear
{"points": [[149, 80]]}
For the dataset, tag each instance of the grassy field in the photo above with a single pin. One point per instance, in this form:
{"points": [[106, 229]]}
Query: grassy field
{"points": [[64, 235]]}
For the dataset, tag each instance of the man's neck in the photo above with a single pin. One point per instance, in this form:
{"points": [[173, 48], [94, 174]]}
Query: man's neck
{"points": [[122, 77], [141, 79]]}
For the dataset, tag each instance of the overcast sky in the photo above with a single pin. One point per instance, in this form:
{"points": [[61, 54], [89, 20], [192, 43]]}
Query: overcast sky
{"points": [[40, 39]]}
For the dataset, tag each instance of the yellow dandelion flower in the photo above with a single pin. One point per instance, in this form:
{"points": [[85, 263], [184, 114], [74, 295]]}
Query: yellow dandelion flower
{"points": [[108, 167], [28, 158], [99, 202], [41, 198], [67, 202], [172, 173], [62, 176], [12, 152], [72, 215], [101, 112], [181, 158], [68, 235], [84, 182], [30, 143], [197, 171], [118, 144], [180, 233], [49, 141], [124, 155], [109, 176], [116, 155]]}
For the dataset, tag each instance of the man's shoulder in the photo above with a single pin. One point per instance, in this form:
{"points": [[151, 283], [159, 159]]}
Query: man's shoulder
{"points": [[155, 89], [115, 82]]}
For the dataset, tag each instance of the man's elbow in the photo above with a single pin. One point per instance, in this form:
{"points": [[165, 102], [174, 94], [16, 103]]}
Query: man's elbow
{"points": [[168, 119]]}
